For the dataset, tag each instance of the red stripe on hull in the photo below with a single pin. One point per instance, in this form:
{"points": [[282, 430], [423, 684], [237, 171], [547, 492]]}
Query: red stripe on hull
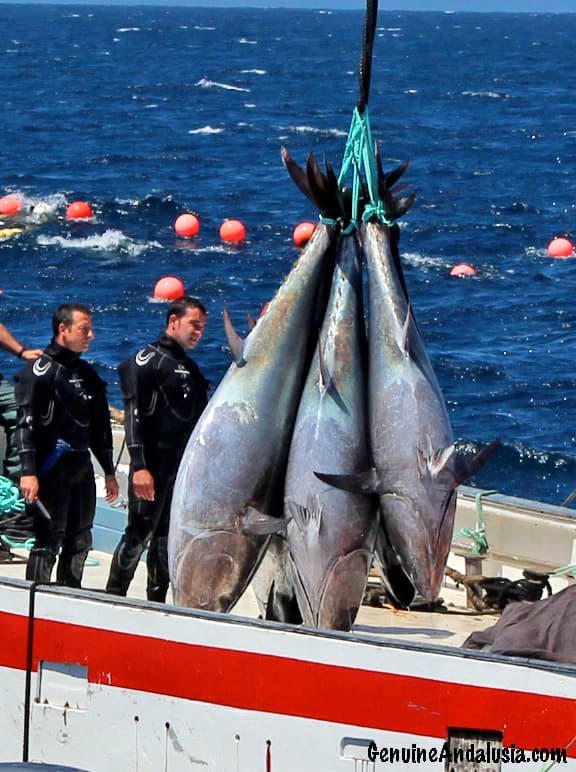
{"points": [[273, 684]]}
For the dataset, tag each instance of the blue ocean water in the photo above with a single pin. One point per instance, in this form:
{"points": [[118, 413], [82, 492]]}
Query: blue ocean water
{"points": [[150, 112]]}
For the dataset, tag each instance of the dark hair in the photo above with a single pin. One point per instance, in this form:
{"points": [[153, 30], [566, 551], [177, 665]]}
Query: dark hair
{"points": [[64, 315], [179, 307]]}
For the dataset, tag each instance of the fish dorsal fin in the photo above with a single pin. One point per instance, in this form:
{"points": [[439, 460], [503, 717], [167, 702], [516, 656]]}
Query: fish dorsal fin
{"points": [[256, 523], [235, 341], [309, 517], [466, 468], [361, 482]]}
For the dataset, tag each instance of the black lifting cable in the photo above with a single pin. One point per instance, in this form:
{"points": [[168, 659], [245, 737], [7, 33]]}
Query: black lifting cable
{"points": [[365, 69]]}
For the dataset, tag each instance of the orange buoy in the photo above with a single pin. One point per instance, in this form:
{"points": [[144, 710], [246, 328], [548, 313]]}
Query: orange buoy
{"points": [[78, 210], [302, 233], [232, 230], [187, 225], [10, 204], [169, 288], [463, 269], [560, 247]]}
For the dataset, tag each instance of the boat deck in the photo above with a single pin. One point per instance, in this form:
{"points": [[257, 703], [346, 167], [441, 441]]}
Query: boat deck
{"points": [[516, 529], [448, 628]]}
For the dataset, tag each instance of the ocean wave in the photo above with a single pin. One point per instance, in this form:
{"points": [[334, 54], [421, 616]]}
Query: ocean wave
{"points": [[109, 241], [487, 94], [206, 130], [320, 132], [206, 83]]}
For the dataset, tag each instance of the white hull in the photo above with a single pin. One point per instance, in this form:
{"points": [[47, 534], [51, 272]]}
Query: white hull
{"points": [[128, 685]]}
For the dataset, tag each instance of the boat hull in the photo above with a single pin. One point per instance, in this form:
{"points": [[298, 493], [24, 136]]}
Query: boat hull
{"points": [[119, 684]]}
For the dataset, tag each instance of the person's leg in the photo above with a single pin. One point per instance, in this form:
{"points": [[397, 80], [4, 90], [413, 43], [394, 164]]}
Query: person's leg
{"points": [[77, 540], [142, 516], [49, 524], [157, 557]]}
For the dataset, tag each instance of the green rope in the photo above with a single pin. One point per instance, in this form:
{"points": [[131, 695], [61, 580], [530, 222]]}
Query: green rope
{"points": [[10, 497], [25, 545], [478, 534], [360, 157], [565, 571]]}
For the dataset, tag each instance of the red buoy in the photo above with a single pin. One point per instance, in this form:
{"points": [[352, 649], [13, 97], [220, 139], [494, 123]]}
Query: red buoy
{"points": [[10, 204], [560, 247], [187, 225], [169, 288], [463, 269], [303, 233], [79, 210], [232, 230]]}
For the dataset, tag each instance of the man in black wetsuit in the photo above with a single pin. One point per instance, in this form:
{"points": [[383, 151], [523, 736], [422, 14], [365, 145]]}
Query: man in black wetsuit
{"points": [[164, 395], [62, 415]]}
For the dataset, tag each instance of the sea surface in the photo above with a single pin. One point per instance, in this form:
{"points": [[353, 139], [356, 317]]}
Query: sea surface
{"points": [[150, 112]]}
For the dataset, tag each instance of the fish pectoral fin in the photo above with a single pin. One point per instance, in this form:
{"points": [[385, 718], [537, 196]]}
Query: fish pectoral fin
{"points": [[235, 341], [404, 344], [327, 384], [256, 523], [360, 482], [466, 468]]}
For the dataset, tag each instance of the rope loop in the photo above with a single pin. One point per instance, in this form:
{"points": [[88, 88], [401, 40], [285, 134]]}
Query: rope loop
{"points": [[360, 157]]}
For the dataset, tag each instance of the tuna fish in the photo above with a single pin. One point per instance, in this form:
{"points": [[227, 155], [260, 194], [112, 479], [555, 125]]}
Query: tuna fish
{"points": [[228, 491], [331, 532], [417, 468]]}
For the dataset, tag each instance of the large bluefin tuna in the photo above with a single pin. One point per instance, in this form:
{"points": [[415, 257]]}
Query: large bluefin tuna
{"points": [[331, 532], [416, 465], [230, 481]]}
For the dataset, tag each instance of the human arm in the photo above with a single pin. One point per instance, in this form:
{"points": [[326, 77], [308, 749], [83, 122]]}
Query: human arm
{"points": [[11, 344], [28, 394], [100, 429]]}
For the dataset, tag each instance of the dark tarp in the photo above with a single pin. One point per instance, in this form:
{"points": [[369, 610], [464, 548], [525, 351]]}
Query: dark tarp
{"points": [[545, 629]]}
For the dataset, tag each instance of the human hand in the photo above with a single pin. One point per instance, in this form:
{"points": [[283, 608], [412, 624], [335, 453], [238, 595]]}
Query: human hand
{"points": [[30, 354], [112, 488], [29, 487], [143, 484]]}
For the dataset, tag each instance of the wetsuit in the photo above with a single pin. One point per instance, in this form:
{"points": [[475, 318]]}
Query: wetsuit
{"points": [[164, 395], [62, 401]]}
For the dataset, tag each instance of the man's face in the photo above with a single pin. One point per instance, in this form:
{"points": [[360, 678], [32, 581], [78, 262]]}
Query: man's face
{"points": [[187, 329], [78, 336]]}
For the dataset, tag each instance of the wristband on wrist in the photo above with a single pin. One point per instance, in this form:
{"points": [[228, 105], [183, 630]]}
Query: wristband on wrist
{"points": [[22, 350]]}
